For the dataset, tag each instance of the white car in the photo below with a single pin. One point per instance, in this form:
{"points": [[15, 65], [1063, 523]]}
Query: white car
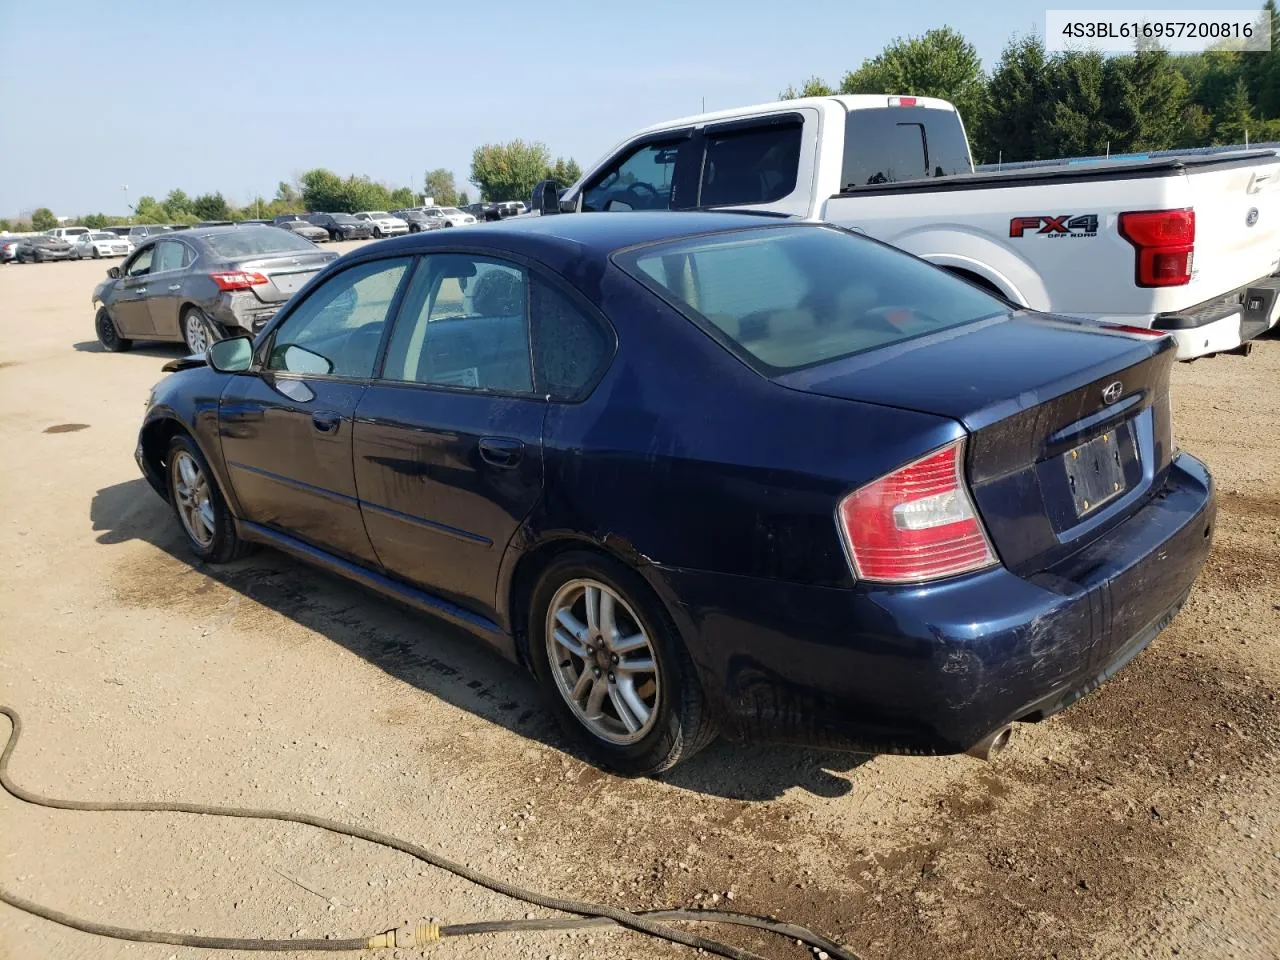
{"points": [[69, 234], [384, 224], [1186, 245], [453, 217], [101, 243]]}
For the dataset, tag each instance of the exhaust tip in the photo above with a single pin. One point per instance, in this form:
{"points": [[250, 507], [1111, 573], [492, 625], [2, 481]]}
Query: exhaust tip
{"points": [[992, 744]]}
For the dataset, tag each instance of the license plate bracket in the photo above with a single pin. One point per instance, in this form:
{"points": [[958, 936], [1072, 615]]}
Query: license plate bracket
{"points": [[1095, 472]]}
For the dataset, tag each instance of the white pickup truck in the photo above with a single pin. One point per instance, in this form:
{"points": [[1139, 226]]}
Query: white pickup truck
{"points": [[1189, 245]]}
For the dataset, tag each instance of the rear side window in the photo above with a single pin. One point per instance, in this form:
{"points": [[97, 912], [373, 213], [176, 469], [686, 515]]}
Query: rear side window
{"points": [[892, 144], [788, 297], [751, 165], [569, 348]]}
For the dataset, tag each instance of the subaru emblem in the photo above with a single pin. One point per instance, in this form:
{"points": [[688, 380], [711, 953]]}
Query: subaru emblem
{"points": [[1251, 217], [1112, 391]]}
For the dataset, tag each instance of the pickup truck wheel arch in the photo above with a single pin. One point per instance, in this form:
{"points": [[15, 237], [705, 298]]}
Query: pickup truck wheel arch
{"points": [[975, 279]]}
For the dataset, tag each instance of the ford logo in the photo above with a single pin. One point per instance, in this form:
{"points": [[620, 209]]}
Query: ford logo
{"points": [[1251, 217], [1112, 391]]}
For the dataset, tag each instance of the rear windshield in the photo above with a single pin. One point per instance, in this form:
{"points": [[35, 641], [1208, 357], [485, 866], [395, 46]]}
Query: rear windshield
{"points": [[891, 144], [792, 296], [253, 241]]}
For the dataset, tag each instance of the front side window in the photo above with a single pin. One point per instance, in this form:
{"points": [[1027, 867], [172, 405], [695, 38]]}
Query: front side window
{"points": [[337, 329], [781, 298], [140, 265], [752, 165], [170, 255], [639, 180], [464, 324]]}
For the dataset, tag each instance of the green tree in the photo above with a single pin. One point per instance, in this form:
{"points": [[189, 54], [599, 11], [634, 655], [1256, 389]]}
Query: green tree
{"points": [[5, 225], [441, 187], [564, 172], [509, 171], [287, 194], [1261, 70], [149, 210], [1077, 127], [815, 86], [1019, 102], [208, 206], [463, 199], [43, 219], [402, 197], [1153, 96], [1233, 121], [941, 63], [95, 221], [177, 203], [322, 190]]}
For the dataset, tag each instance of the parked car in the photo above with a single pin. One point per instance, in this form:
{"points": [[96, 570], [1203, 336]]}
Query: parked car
{"points": [[9, 249], [139, 232], [342, 226], [453, 217], [383, 223], [41, 247], [304, 229], [203, 284], [483, 211], [101, 243], [418, 220], [69, 234], [255, 223], [708, 471], [1189, 245]]}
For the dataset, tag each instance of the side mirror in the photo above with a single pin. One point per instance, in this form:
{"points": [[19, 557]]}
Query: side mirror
{"points": [[114, 273], [546, 198], [233, 355]]}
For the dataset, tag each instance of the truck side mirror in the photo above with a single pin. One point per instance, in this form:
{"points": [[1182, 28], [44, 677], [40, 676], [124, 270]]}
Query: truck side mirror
{"points": [[546, 198]]}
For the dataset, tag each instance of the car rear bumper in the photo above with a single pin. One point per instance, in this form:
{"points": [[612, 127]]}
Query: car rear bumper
{"points": [[935, 669], [242, 309]]}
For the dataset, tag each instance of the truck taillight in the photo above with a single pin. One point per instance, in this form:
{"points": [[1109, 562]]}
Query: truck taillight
{"points": [[1164, 244], [237, 279], [902, 101], [916, 523]]}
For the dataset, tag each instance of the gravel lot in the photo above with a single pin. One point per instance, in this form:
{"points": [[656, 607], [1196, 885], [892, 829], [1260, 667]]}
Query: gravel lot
{"points": [[1142, 822]]}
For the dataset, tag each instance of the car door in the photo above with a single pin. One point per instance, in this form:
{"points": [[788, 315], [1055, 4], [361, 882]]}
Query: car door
{"points": [[448, 438], [164, 294], [286, 428], [129, 307]]}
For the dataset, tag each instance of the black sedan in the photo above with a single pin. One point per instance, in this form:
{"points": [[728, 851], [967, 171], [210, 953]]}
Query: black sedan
{"points": [[342, 226], [708, 472], [40, 248], [200, 285]]}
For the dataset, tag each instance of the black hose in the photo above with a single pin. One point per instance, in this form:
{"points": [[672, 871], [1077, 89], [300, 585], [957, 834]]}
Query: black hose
{"points": [[589, 914]]}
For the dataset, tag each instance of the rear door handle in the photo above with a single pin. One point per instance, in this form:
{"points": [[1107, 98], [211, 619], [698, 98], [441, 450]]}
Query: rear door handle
{"points": [[501, 451], [175, 286], [326, 422], [139, 290]]}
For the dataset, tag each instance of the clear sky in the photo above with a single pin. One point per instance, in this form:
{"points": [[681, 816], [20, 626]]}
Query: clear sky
{"points": [[236, 96]]}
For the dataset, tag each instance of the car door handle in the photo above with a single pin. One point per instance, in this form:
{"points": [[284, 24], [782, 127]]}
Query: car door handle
{"points": [[326, 422], [501, 451], [175, 286], [139, 290]]}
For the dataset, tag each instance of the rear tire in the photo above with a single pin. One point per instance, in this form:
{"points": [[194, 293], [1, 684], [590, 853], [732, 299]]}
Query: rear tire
{"points": [[676, 725], [108, 335], [199, 505], [198, 331]]}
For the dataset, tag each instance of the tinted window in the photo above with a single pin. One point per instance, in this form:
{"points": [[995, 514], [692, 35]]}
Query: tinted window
{"points": [[788, 297], [253, 241], [751, 166], [170, 255], [337, 329], [568, 346], [464, 324], [639, 180], [902, 143]]}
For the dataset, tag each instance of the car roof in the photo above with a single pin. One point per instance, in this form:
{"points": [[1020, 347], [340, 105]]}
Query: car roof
{"points": [[557, 236]]}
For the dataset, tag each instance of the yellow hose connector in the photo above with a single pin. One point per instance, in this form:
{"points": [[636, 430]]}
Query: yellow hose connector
{"points": [[410, 935]]}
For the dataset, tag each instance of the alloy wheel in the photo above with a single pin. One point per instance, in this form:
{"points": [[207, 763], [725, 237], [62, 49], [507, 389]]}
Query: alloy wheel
{"points": [[192, 497], [195, 330], [603, 661]]}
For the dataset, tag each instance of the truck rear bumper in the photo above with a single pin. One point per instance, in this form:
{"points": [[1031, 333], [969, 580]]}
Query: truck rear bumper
{"points": [[1225, 322]]}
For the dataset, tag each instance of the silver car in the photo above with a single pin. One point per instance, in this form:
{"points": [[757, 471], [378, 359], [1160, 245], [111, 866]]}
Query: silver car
{"points": [[101, 243]]}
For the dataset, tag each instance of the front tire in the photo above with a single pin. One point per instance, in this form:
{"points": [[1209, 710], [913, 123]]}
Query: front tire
{"points": [[96, 254], [198, 331], [199, 504], [616, 670], [108, 335]]}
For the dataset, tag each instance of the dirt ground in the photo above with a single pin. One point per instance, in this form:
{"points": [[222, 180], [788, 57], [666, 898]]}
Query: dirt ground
{"points": [[1142, 822]]}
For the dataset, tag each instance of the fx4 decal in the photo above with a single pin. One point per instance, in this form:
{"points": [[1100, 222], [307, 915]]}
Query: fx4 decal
{"points": [[1085, 225]]}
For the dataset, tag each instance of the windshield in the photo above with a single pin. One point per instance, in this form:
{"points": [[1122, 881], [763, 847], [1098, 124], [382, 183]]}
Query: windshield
{"points": [[343, 218], [451, 211], [103, 236], [787, 297], [254, 241], [379, 214]]}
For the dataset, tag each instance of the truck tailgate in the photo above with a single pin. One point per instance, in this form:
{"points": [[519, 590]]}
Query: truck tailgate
{"points": [[1237, 226]]}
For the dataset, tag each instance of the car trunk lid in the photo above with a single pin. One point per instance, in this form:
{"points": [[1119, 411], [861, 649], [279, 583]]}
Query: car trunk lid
{"points": [[285, 273], [1069, 424]]}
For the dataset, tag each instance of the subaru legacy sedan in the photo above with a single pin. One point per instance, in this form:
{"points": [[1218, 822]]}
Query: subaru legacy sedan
{"points": [[708, 473]]}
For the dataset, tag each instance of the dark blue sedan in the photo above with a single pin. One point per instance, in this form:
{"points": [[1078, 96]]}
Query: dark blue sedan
{"points": [[708, 473]]}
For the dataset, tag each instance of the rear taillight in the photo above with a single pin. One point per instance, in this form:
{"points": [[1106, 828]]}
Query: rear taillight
{"points": [[902, 101], [237, 279], [916, 523], [1164, 242]]}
